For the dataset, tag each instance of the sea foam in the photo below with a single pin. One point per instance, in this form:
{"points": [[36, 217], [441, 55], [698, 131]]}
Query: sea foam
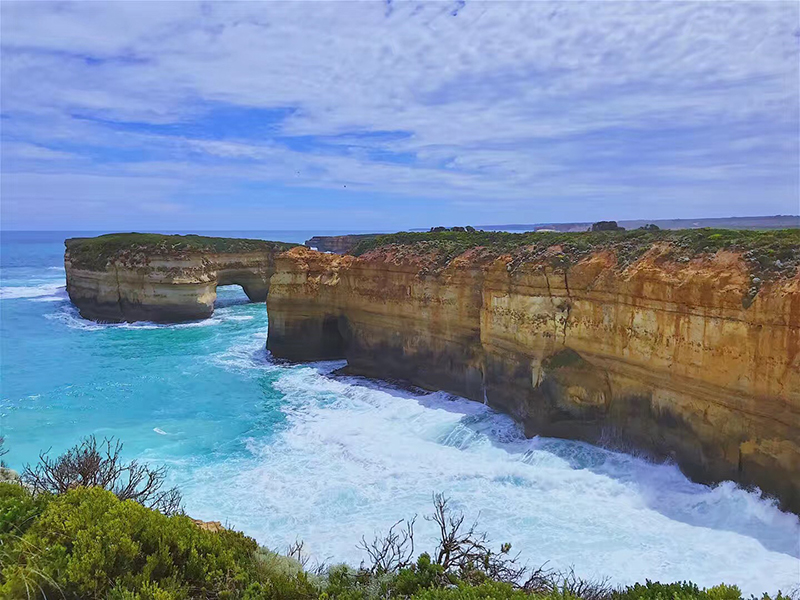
{"points": [[354, 456], [56, 291]]}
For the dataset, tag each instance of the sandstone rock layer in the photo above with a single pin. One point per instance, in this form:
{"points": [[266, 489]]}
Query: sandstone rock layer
{"points": [[153, 284], [659, 356]]}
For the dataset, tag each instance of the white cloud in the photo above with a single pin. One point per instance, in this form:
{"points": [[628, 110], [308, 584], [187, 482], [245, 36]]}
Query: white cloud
{"points": [[516, 101]]}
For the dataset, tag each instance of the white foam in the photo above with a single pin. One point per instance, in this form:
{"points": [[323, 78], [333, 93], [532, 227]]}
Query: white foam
{"points": [[354, 457], [56, 290], [69, 316]]}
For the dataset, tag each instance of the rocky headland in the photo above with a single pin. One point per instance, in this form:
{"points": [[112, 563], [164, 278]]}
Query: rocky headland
{"points": [[163, 278], [681, 344], [684, 345]]}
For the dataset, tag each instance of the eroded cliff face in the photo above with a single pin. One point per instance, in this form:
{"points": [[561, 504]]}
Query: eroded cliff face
{"points": [[660, 356], [164, 288]]}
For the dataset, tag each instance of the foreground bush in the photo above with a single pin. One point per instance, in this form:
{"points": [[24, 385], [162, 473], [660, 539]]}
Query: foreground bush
{"points": [[88, 544]]}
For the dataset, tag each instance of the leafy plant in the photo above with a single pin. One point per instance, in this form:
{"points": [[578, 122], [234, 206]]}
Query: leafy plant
{"points": [[683, 590], [89, 544], [82, 530]]}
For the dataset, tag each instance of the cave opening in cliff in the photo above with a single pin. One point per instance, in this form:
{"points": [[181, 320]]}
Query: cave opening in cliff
{"points": [[333, 341]]}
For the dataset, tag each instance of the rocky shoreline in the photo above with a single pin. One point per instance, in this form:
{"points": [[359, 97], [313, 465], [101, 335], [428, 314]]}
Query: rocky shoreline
{"points": [[685, 348]]}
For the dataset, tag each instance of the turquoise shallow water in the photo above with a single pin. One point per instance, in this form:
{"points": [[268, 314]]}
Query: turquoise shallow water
{"points": [[293, 452]]}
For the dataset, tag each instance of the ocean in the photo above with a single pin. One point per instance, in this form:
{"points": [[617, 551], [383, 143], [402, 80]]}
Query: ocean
{"points": [[294, 452]]}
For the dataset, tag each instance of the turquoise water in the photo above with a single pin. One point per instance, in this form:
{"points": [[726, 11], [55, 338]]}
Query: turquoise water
{"points": [[293, 452]]}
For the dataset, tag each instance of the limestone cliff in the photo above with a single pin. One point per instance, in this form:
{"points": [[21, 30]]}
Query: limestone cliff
{"points": [[166, 279], [684, 354]]}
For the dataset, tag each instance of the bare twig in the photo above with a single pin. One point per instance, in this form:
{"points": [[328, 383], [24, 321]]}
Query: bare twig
{"points": [[393, 551], [93, 464], [466, 552], [3, 451]]}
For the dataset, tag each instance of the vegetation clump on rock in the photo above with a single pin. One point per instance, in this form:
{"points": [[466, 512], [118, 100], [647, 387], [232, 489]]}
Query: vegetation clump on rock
{"points": [[769, 254], [606, 226], [95, 253], [85, 542]]}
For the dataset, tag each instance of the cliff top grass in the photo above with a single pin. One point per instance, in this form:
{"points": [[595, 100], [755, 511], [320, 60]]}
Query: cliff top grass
{"points": [[769, 253], [94, 253]]}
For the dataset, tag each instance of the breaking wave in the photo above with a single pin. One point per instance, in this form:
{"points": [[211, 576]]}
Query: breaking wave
{"points": [[69, 316], [353, 456], [49, 291]]}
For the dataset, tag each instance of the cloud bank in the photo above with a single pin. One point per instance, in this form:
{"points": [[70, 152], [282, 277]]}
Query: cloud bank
{"points": [[281, 115]]}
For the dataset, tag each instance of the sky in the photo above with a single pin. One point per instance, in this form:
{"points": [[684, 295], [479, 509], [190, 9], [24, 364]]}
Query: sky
{"points": [[394, 115]]}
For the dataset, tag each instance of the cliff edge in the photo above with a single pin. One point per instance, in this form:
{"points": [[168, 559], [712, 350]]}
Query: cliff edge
{"points": [[683, 344], [163, 278]]}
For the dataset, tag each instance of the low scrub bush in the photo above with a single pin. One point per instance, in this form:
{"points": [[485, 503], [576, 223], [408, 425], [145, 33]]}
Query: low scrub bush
{"points": [[683, 590], [89, 544]]}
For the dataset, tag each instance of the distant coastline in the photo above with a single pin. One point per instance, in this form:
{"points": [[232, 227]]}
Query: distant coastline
{"points": [[764, 222], [773, 222]]}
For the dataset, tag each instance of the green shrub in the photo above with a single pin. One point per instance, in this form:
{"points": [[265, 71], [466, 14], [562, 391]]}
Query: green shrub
{"points": [[346, 583], [683, 590], [88, 544], [19, 508], [491, 590], [425, 574]]}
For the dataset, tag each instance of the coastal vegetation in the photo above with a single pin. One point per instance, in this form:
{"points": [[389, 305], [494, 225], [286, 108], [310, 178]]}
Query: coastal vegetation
{"points": [[768, 254], [88, 540], [94, 253]]}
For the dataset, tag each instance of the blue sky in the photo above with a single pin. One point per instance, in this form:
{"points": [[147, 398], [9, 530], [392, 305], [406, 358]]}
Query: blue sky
{"points": [[388, 115]]}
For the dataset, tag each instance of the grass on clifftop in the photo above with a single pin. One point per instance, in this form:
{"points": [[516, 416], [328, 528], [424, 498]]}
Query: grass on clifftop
{"points": [[93, 253], [770, 254]]}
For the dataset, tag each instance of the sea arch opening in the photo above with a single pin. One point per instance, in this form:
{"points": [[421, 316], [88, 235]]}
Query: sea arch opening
{"points": [[231, 294], [254, 284]]}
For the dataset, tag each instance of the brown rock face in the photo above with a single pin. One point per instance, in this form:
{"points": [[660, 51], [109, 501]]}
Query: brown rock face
{"points": [[660, 356], [167, 289]]}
